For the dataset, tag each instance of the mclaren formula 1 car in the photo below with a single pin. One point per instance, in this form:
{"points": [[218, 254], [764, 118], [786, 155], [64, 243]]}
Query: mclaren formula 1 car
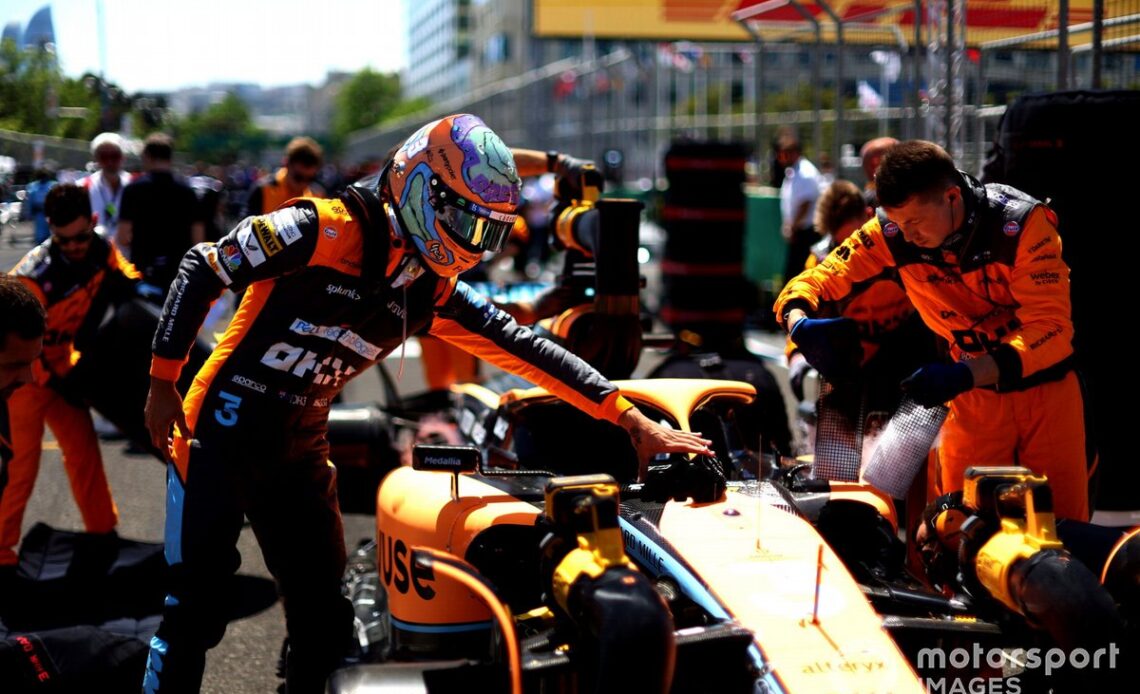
{"points": [[528, 558]]}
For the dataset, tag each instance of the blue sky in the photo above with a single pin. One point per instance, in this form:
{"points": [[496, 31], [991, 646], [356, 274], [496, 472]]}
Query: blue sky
{"points": [[161, 45]]}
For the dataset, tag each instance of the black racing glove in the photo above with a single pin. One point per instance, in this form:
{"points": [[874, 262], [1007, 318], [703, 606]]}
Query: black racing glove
{"points": [[831, 345], [935, 384]]}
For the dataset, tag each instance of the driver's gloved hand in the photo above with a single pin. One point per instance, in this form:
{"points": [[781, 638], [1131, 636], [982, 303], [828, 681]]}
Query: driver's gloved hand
{"points": [[934, 384], [831, 345]]}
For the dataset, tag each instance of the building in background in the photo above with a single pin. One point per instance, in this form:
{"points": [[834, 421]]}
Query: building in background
{"points": [[439, 49], [40, 32], [12, 31]]}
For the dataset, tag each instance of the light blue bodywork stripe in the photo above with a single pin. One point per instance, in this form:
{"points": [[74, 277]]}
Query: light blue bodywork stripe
{"points": [[692, 587], [440, 628]]}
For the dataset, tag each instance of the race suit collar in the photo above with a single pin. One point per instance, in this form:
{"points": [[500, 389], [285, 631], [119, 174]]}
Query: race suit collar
{"points": [[973, 199]]}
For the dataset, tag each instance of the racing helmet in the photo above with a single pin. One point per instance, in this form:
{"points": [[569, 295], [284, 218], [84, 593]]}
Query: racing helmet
{"points": [[455, 190]]}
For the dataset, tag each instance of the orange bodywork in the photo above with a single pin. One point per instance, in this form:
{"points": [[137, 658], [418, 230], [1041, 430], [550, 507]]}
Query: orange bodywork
{"points": [[761, 563], [415, 508]]}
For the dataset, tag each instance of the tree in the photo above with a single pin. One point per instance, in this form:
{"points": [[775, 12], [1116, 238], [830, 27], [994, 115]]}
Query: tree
{"points": [[220, 133], [33, 91], [365, 100]]}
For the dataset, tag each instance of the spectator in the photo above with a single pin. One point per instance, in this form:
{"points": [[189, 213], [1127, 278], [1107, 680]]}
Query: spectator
{"points": [[160, 219], [798, 194], [37, 191], [872, 153], [105, 186]]}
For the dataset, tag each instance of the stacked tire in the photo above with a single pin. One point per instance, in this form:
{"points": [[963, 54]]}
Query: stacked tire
{"points": [[707, 297]]}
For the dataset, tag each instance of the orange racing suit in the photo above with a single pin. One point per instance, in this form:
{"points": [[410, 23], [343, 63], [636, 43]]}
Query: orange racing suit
{"points": [[996, 286], [75, 296], [332, 289]]}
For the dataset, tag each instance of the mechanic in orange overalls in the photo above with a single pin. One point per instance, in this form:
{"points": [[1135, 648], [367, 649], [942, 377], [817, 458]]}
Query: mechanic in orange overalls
{"points": [[74, 274], [294, 179], [982, 265]]}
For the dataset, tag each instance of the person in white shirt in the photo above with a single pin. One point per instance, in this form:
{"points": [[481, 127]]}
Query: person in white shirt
{"points": [[798, 195], [105, 186]]}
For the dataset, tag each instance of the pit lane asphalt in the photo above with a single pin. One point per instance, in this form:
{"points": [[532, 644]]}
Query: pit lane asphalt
{"points": [[246, 660]]}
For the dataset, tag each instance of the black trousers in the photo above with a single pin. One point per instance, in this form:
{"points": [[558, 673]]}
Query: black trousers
{"points": [[268, 464], [799, 247]]}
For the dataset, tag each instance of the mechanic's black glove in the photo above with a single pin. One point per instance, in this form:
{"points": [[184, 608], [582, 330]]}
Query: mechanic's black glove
{"points": [[831, 345], [573, 174], [935, 384]]}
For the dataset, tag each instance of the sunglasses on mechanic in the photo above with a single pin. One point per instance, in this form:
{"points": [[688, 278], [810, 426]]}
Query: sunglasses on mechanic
{"points": [[80, 238], [478, 227]]}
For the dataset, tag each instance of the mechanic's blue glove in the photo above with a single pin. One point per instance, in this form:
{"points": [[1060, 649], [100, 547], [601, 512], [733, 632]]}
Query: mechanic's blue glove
{"points": [[935, 384], [831, 345]]}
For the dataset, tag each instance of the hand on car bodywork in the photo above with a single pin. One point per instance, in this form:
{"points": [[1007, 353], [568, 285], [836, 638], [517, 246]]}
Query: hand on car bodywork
{"points": [[650, 438], [163, 408]]}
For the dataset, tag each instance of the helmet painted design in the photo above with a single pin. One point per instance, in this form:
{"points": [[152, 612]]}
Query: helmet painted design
{"points": [[455, 189]]}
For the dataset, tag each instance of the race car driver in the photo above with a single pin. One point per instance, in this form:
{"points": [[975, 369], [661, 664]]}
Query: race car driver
{"points": [[333, 286], [982, 266], [75, 273]]}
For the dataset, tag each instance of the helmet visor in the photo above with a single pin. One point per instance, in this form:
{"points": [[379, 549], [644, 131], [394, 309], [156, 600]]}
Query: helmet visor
{"points": [[478, 226]]}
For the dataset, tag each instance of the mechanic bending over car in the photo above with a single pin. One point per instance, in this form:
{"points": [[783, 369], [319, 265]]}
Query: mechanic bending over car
{"points": [[333, 286], [22, 322], [982, 266], [75, 274]]}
